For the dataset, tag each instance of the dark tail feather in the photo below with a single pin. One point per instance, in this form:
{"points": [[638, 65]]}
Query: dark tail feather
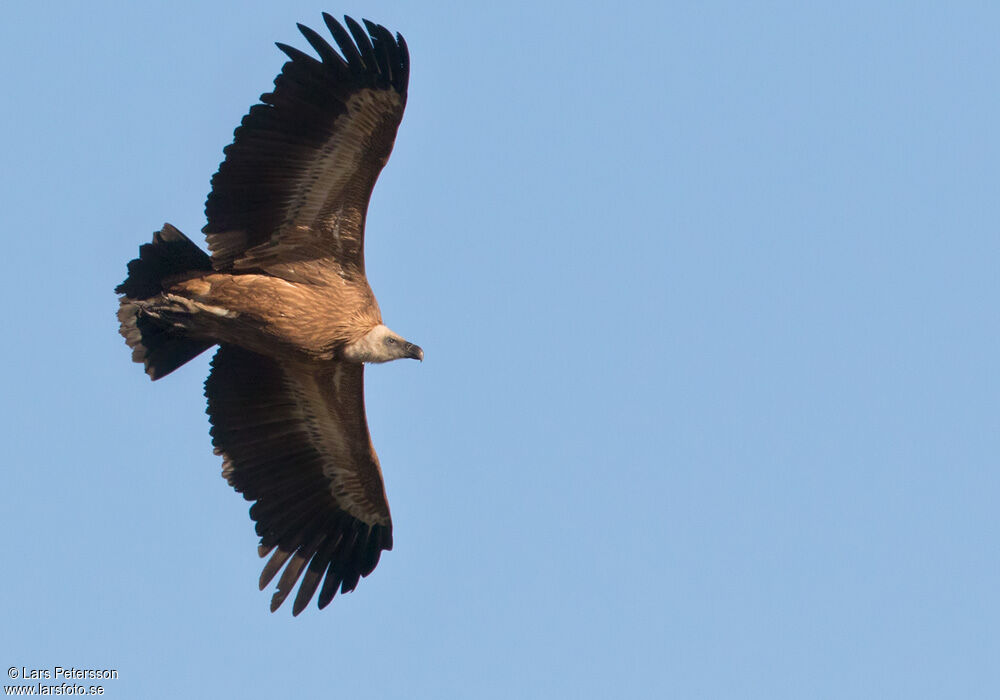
{"points": [[160, 348], [170, 253]]}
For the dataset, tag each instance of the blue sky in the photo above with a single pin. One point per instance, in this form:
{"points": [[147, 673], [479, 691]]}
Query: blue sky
{"points": [[708, 294]]}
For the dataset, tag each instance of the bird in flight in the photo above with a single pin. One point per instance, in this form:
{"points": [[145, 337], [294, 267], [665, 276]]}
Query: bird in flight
{"points": [[284, 296]]}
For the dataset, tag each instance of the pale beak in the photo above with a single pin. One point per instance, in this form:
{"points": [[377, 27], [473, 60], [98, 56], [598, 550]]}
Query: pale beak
{"points": [[414, 351]]}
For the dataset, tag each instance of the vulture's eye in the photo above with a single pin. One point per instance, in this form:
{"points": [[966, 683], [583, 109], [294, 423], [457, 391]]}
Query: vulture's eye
{"points": [[390, 341]]}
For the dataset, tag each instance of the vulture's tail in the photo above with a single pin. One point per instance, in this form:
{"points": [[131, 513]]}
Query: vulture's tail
{"points": [[161, 348]]}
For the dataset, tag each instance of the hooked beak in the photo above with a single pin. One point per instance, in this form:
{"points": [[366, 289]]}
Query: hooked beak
{"points": [[414, 351]]}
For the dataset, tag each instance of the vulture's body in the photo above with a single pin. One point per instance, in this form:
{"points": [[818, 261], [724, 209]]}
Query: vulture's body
{"points": [[284, 295]]}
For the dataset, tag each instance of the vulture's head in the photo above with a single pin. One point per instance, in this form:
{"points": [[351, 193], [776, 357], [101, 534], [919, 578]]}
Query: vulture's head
{"points": [[382, 345]]}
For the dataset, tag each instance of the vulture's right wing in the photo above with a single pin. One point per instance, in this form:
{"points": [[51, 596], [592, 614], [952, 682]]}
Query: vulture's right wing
{"points": [[297, 178]]}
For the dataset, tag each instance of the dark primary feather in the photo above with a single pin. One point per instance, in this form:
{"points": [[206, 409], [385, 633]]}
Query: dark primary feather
{"points": [[325, 51], [298, 158], [364, 45], [347, 46]]}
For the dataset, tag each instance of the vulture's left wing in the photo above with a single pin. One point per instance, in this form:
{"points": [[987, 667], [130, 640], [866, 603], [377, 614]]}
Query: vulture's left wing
{"points": [[295, 440], [297, 178]]}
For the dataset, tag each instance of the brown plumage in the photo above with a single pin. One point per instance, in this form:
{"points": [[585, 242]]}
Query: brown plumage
{"points": [[284, 295]]}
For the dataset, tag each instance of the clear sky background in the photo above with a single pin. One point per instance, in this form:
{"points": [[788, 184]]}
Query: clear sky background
{"points": [[709, 297]]}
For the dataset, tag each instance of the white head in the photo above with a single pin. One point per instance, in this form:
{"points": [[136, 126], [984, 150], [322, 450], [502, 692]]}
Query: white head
{"points": [[381, 345]]}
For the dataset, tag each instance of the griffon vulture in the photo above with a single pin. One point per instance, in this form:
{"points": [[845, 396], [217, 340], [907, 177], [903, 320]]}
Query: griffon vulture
{"points": [[284, 296]]}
